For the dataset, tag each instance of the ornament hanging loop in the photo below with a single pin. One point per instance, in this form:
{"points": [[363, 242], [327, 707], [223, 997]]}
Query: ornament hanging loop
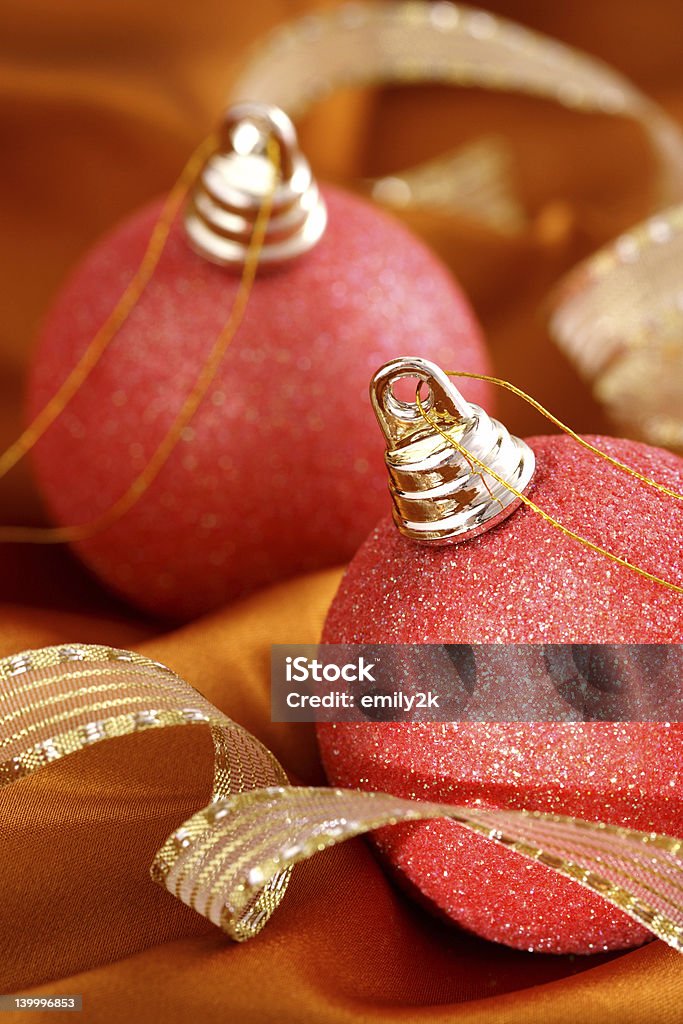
{"points": [[231, 188], [436, 453], [246, 129], [400, 420]]}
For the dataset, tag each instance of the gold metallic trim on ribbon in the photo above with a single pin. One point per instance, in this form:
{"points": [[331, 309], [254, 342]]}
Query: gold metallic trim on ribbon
{"points": [[619, 317], [59, 700], [379, 43], [231, 861]]}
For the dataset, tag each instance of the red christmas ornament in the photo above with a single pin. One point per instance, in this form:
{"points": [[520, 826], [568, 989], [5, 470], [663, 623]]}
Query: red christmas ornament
{"points": [[279, 471], [521, 582]]}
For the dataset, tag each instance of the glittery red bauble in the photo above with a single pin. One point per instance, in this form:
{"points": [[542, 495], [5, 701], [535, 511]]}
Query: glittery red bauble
{"points": [[523, 582], [281, 471]]}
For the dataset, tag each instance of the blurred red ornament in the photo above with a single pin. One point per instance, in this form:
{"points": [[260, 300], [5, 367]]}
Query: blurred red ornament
{"points": [[279, 472], [521, 582]]}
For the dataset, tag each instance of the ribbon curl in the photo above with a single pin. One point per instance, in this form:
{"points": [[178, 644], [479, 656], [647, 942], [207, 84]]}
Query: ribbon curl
{"points": [[370, 43], [619, 315], [232, 860]]}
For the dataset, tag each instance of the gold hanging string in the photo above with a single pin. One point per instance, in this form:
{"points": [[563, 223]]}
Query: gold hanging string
{"points": [[71, 534], [568, 430], [409, 42], [107, 332], [555, 523], [231, 861]]}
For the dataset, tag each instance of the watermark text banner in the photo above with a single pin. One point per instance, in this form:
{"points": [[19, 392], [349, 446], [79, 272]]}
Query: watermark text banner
{"points": [[479, 682]]}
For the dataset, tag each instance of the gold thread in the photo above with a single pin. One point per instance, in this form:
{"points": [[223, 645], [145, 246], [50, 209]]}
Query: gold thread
{"points": [[207, 374], [108, 331], [555, 523], [481, 476], [568, 430]]}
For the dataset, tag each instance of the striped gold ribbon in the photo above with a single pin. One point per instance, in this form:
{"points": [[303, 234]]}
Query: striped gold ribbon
{"points": [[379, 43], [619, 318], [619, 315], [231, 861]]}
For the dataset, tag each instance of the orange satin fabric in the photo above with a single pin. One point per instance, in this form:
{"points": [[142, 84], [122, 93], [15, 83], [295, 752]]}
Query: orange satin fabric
{"points": [[79, 913], [99, 105]]}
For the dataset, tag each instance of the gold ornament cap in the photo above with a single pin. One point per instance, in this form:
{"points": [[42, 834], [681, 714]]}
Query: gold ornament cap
{"points": [[440, 495], [237, 178]]}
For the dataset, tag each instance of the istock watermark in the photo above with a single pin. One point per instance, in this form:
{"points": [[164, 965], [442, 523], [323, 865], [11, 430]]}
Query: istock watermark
{"points": [[479, 682], [301, 669]]}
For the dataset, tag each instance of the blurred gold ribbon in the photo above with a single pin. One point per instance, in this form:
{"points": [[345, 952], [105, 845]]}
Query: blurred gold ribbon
{"points": [[376, 43], [231, 860], [619, 316]]}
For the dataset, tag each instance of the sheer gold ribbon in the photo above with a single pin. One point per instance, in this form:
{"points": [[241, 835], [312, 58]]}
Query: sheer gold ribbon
{"points": [[231, 861], [375, 43], [619, 316]]}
